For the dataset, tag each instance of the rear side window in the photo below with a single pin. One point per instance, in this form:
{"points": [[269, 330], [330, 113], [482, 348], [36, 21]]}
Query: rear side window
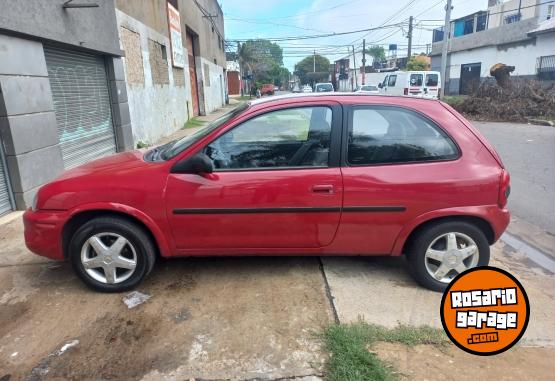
{"points": [[386, 135], [432, 79], [416, 79], [391, 81]]}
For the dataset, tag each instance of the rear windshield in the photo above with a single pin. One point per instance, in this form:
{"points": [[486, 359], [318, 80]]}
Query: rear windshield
{"points": [[324, 87], [431, 79], [416, 79]]}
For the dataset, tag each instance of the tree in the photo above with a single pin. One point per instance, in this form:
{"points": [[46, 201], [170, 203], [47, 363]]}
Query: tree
{"points": [[415, 64], [263, 59], [377, 53], [305, 69]]}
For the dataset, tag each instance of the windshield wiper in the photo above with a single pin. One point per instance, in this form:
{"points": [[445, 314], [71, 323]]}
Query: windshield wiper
{"points": [[156, 153]]}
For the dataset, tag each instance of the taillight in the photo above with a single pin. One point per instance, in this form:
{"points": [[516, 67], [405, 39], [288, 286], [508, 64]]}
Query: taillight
{"points": [[406, 91], [504, 188]]}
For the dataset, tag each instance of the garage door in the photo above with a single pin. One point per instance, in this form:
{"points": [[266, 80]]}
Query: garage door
{"points": [[5, 200], [82, 104]]}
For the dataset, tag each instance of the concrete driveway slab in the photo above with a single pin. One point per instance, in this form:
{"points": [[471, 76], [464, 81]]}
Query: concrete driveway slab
{"points": [[381, 291]]}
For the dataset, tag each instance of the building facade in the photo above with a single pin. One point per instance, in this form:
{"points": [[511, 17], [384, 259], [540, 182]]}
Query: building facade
{"points": [[60, 71], [86, 79], [497, 36], [174, 62]]}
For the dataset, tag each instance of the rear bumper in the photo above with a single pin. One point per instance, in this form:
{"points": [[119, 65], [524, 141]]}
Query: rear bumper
{"points": [[499, 219], [43, 232]]}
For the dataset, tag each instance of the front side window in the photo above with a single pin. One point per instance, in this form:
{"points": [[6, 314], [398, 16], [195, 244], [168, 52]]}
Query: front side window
{"points": [[416, 79], [392, 80], [295, 137], [385, 135]]}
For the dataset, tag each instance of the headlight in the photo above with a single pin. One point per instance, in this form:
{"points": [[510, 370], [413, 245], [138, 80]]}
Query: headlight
{"points": [[35, 201]]}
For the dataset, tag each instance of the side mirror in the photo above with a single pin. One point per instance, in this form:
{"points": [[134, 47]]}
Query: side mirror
{"points": [[380, 85], [197, 165]]}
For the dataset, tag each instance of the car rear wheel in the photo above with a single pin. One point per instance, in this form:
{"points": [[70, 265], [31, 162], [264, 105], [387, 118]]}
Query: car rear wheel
{"points": [[441, 252], [111, 254]]}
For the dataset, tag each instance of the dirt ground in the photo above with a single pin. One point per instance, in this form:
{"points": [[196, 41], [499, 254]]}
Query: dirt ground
{"points": [[426, 362], [217, 318]]}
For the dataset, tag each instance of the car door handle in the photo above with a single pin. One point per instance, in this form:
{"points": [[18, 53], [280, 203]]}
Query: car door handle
{"points": [[322, 189]]}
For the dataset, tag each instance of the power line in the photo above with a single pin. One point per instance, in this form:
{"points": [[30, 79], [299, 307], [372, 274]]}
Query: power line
{"points": [[292, 38], [310, 13], [390, 18], [273, 23]]}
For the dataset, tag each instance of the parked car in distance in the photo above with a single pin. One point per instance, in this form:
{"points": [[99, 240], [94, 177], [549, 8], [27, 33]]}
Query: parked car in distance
{"points": [[276, 88], [420, 84], [323, 88], [307, 89], [267, 89], [367, 89], [316, 174]]}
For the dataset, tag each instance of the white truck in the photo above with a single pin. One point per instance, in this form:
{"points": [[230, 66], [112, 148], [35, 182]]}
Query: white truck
{"points": [[421, 84]]}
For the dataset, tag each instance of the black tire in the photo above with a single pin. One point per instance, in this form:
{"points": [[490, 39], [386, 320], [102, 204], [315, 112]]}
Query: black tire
{"points": [[137, 237], [417, 250]]}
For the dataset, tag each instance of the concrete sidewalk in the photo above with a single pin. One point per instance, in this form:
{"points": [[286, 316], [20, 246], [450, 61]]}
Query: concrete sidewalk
{"points": [[233, 103]]}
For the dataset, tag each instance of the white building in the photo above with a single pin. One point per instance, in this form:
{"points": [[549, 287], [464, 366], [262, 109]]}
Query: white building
{"points": [[483, 39]]}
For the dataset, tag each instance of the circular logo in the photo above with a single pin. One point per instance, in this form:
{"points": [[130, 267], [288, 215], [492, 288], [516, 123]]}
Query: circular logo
{"points": [[485, 311]]}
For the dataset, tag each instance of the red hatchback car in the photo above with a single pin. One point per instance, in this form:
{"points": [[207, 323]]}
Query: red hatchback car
{"points": [[340, 174]]}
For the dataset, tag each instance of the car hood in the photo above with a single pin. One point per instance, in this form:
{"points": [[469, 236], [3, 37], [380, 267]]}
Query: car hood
{"points": [[108, 165]]}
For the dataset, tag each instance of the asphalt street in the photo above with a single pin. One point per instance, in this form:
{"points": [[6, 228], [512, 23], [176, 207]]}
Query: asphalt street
{"points": [[528, 152]]}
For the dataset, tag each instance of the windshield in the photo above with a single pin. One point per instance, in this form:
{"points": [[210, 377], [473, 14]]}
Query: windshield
{"points": [[174, 148], [369, 88], [324, 87]]}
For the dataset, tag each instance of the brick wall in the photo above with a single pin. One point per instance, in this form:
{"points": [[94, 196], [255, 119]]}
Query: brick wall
{"points": [[134, 71], [158, 63], [178, 77]]}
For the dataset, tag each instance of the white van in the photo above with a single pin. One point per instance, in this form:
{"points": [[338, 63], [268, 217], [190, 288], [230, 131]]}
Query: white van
{"points": [[421, 84]]}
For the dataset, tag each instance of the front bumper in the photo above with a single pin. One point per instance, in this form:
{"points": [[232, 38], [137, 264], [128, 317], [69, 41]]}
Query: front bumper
{"points": [[43, 232]]}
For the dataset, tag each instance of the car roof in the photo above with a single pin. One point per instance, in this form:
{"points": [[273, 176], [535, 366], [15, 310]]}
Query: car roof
{"points": [[337, 96]]}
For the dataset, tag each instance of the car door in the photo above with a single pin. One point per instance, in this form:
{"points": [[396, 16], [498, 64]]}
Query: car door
{"points": [[396, 166], [276, 184]]}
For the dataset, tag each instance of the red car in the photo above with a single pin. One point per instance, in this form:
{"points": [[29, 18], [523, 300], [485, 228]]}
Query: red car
{"points": [[309, 174], [267, 89]]}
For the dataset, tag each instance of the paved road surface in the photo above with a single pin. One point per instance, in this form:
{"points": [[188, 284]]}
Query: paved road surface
{"points": [[528, 152]]}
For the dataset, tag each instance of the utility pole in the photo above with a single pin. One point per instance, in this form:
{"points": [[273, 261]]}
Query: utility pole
{"points": [[355, 66], [363, 61], [445, 47], [314, 61], [409, 36]]}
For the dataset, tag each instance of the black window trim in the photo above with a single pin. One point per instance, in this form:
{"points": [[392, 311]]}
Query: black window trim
{"points": [[347, 124], [334, 157]]}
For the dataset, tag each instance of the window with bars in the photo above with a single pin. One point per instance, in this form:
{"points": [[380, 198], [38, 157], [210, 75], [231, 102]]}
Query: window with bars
{"points": [[545, 67]]}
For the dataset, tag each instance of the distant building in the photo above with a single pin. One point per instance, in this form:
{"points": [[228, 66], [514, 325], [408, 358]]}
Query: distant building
{"points": [[233, 78], [504, 33]]}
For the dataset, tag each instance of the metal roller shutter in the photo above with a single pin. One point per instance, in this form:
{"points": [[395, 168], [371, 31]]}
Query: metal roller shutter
{"points": [[82, 104], [5, 196]]}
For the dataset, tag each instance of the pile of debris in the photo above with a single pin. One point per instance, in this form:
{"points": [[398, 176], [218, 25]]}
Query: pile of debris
{"points": [[510, 99]]}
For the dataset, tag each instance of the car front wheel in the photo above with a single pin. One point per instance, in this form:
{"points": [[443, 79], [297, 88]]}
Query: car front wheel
{"points": [[441, 252], [111, 254]]}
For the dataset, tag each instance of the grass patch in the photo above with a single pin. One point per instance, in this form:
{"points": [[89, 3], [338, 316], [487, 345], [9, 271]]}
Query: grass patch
{"points": [[349, 344], [193, 123]]}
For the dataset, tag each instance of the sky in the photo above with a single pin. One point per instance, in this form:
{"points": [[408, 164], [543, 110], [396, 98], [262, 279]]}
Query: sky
{"points": [[246, 19]]}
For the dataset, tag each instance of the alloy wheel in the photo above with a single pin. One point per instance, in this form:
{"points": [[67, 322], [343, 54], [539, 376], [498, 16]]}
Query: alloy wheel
{"points": [[451, 254], [109, 258]]}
